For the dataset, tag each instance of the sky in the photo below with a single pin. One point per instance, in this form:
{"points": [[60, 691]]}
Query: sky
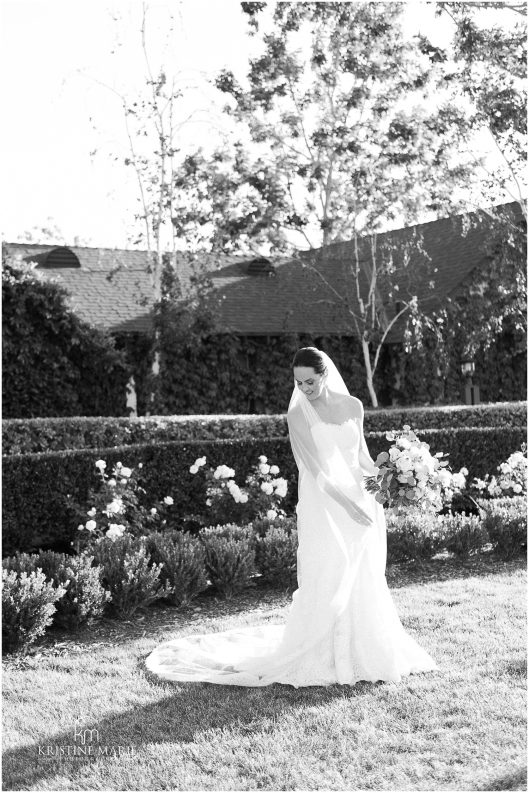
{"points": [[63, 136]]}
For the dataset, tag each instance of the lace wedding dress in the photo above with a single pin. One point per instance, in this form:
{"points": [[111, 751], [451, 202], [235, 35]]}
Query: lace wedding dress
{"points": [[342, 625]]}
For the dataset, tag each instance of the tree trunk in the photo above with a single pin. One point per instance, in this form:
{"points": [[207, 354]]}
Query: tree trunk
{"points": [[369, 373]]}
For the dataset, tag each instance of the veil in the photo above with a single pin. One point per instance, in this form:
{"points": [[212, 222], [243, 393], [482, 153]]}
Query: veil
{"points": [[334, 480]]}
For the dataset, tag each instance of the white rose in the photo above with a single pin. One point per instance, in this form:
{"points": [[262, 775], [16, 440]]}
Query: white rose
{"points": [[200, 461], [168, 500], [119, 465], [126, 472], [263, 459], [193, 469], [505, 468], [112, 482], [101, 464], [517, 488], [271, 514], [90, 525], [92, 512], [264, 468], [244, 498], [445, 477], [154, 511], [113, 532], [115, 506], [81, 527], [274, 470], [208, 502], [267, 488]]}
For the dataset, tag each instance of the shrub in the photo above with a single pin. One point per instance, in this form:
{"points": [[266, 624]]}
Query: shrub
{"points": [[52, 360], [276, 555], [134, 582], [465, 534], [183, 563], [230, 557], [28, 605], [85, 596], [414, 535], [506, 525]]}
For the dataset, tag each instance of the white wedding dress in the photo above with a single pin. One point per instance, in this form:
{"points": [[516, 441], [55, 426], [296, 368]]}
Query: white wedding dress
{"points": [[342, 625]]}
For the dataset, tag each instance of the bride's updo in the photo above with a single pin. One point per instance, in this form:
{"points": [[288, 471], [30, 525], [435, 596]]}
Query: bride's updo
{"points": [[312, 357]]}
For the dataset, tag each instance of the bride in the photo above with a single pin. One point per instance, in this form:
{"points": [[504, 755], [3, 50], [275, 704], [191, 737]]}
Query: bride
{"points": [[342, 625]]}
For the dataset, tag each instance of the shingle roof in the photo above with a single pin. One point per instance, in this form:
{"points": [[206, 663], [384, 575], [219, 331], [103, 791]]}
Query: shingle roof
{"points": [[112, 287]]}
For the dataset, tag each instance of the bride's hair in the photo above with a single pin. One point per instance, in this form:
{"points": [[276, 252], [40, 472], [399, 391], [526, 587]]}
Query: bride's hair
{"points": [[312, 357]]}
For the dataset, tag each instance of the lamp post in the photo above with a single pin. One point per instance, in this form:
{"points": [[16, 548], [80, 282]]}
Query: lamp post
{"points": [[468, 368]]}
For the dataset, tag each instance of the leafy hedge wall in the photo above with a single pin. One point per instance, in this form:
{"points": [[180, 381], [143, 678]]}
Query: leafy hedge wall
{"points": [[54, 434], [35, 485], [52, 362]]}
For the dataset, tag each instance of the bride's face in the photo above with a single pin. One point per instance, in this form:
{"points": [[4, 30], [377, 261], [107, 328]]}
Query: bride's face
{"points": [[309, 382]]}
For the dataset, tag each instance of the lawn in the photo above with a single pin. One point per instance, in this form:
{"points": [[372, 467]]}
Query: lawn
{"points": [[462, 728]]}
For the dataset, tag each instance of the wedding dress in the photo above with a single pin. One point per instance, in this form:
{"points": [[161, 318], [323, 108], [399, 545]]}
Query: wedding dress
{"points": [[342, 625]]}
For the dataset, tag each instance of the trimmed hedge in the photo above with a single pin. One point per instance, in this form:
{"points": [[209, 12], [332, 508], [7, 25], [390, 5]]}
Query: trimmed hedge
{"points": [[56, 434], [35, 485]]}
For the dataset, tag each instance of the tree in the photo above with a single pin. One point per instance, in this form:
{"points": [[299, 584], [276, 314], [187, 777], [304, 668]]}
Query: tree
{"points": [[489, 75], [342, 144]]}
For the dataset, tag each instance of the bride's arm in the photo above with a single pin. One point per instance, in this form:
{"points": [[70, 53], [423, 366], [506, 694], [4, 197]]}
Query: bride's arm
{"points": [[306, 454]]}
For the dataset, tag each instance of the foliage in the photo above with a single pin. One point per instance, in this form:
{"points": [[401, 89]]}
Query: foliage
{"points": [[52, 361], [230, 557], [36, 485], [27, 606], [127, 572], [276, 555], [21, 436], [85, 597], [414, 535], [506, 524], [262, 493], [183, 561], [115, 508], [465, 534], [511, 479]]}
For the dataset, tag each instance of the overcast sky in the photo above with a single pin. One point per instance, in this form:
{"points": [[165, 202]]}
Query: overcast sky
{"points": [[62, 127]]}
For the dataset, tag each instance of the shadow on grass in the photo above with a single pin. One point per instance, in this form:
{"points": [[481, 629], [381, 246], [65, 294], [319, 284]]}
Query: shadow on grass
{"points": [[512, 780], [179, 718]]}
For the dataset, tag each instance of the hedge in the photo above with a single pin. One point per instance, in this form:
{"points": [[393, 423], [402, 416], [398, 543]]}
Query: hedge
{"points": [[35, 485], [56, 434]]}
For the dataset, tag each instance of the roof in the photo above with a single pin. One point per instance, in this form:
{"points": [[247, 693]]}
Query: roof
{"points": [[112, 287]]}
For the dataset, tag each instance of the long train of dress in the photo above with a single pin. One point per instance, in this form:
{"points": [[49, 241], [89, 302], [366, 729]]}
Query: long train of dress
{"points": [[342, 625]]}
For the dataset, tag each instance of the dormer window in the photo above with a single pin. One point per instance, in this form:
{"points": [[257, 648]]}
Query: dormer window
{"points": [[57, 258], [260, 266]]}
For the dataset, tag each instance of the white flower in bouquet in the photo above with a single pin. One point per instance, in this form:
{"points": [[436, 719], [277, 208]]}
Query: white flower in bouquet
{"points": [[168, 500], [271, 514], [92, 512], [154, 511], [264, 468], [267, 488], [101, 464], [193, 469], [126, 472], [274, 470], [200, 462], [90, 525], [263, 459], [112, 482], [408, 474]]}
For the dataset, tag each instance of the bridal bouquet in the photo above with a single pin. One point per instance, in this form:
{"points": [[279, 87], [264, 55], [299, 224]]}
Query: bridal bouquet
{"points": [[409, 476]]}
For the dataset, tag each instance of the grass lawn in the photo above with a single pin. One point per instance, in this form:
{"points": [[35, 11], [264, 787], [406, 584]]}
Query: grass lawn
{"points": [[462, 728]]}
